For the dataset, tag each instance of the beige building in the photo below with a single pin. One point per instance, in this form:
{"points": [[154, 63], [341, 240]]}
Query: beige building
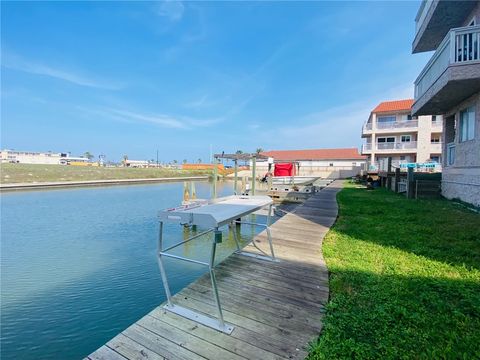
{"points": [[29, 157], [392, 131], [326, 163], [449, 85]]}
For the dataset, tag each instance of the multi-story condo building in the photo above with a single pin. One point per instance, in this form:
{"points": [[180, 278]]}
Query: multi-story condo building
{"points": [[392, 131], [449, 85]]}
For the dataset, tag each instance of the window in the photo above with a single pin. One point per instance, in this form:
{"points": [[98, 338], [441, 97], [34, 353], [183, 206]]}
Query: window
{"points": [[409, 117], [402, 157], [331, 164], [451, 154], [467, 124], [354, 164], [386, 119], [435, 158], [434, 118], [435, 139], [388, 139], [406, 138]]}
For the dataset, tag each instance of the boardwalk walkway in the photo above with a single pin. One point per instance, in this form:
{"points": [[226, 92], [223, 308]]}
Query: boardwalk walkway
{"points": [[277, 308]]}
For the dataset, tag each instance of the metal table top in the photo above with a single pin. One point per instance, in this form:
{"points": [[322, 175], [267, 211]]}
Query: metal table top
{"points": [[217, 212]]}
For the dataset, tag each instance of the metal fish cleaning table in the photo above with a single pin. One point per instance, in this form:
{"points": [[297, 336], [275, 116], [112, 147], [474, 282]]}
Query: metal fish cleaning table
{"points": [[210, 216]]}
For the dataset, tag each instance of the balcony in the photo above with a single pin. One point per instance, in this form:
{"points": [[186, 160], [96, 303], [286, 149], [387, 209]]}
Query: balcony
{"points": [[389, 147], [451, 75], [437, 125], [436, 148], [390, 127], [410, 124], [435, 18]]}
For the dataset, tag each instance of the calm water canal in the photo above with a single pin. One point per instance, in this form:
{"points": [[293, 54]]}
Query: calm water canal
{"points": [[78, 266]]}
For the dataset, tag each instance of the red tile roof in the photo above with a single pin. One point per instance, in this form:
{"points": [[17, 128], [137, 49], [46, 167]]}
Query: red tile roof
{"points": [[397, 105], [315, 154]]}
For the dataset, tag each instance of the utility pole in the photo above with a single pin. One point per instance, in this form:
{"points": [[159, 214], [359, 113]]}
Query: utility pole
{"points": [[157, 158]]}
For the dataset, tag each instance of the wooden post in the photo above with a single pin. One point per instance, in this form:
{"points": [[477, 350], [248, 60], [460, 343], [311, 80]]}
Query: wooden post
{"points": [[410, 183], [254, 168], [389, 170], [235, 179], [215, 175], [397, 179]]}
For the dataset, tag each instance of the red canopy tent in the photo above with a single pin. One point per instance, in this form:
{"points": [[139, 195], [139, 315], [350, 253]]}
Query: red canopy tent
{"points": [[284, 169]]}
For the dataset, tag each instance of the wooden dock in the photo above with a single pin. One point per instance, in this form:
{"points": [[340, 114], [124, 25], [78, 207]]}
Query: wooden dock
{"points": [[276, 307]]}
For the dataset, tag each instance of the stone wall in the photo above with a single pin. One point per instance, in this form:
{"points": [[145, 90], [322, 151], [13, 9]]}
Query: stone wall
{"points": [[462, 180]]}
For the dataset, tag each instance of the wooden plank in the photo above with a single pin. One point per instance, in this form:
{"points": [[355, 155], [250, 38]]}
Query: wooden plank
{"points": [[159, 344], [247, 264], [271, 290], [274, 305], [186, 340], [312, 283], [229, 342], [105, 353], [249, 308], [131, 349], [268, 338]]}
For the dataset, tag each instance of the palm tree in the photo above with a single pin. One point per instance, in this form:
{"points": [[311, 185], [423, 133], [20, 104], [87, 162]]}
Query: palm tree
{"points": [[199, 160], [259, 150], [239, 152], [88, 155], [184, 161]]}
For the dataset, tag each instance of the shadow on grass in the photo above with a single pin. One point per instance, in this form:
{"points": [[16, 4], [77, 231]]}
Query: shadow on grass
{"points": [[437, 229]]}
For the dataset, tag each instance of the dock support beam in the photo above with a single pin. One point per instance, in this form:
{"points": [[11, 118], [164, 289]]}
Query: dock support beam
{"points": [[215, 178], [254, 176], [235, 179]]}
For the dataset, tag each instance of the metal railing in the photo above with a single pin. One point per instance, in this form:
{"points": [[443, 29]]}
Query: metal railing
{"points": [[366, 147], [397, 124], [367, 127], [460, 46], [396, 145]]}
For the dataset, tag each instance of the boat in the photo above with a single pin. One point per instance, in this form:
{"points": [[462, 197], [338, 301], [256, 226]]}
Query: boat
{"points": [[294, 180]]}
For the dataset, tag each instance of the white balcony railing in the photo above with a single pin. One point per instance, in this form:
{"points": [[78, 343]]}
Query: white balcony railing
{"points": [[397, 145], [436, 147], [397, 124], [460, 46], [437, 124], [367, 127], [366, 147]]}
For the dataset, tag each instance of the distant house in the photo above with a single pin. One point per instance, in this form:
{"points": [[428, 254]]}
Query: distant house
{"points": [[136, 163], [392, 131], [326, 163], [449, 85]]}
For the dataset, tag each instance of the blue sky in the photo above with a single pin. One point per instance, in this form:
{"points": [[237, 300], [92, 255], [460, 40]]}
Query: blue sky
{"points": [[119, 78]]}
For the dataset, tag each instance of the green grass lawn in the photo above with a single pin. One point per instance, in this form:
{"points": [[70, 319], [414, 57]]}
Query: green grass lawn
{"points": [[28, 173], [404, 279]]}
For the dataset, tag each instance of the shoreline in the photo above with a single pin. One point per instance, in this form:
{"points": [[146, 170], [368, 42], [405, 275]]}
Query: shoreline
{"points": [[90, 183]]}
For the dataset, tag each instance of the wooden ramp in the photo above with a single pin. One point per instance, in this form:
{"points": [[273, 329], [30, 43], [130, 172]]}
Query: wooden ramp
{"points": [[276, 307]]}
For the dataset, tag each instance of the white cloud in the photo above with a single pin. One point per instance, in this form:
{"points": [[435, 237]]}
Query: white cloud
{"points": [[335, 127], [173, 10], [16, 62], [162, 120]]}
